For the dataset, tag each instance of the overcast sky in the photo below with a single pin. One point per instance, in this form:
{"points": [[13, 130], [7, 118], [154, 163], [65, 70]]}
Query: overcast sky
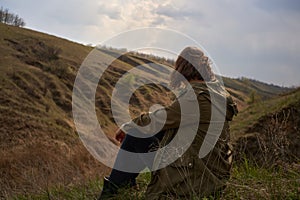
{"points": [[258, 39]]}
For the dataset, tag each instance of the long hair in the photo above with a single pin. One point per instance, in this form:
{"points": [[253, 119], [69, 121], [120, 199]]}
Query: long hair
{"points": [[192, 64]]}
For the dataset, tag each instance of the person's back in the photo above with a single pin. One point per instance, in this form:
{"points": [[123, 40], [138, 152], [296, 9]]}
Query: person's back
{"points": [[190, 176], [202, 148]]}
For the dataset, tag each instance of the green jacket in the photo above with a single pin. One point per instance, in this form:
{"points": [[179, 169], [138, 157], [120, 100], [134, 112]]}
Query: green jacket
{"points": [[189, 176]]}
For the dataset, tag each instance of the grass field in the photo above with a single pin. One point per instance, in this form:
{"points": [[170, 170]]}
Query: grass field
{"points": [[41, 154]]}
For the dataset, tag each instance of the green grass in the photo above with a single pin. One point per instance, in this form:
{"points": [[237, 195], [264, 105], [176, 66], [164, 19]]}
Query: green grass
{"points": [[88, 190], [247, 181]]}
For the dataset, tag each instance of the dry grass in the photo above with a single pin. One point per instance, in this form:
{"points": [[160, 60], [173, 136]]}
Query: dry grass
{"points": [[40, 150]]}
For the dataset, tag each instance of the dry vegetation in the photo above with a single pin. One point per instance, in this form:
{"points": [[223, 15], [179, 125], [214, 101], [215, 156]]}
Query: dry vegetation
{"points": [[41, 155], [40, 148]]}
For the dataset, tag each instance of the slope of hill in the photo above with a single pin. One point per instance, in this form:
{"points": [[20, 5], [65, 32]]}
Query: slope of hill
{"points": [[266, 164], [39, 144], [269, 132], [247, 91]]}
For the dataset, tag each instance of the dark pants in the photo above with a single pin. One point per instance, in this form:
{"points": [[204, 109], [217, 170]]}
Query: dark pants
{"points": [[135, 145]]}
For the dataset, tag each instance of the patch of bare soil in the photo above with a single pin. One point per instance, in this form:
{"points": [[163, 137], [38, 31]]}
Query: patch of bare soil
{"points": [[274, 139]]}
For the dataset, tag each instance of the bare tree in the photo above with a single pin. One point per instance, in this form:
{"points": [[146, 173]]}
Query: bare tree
{"points": [[5, 16], [10, 18], [1, 14]]}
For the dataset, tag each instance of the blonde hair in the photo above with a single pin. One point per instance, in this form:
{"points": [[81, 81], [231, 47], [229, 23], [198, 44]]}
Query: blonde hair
{"points": [[193, 65]]}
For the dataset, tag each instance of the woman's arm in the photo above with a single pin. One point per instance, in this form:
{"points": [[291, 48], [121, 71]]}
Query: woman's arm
{"points": [[184, 110]]}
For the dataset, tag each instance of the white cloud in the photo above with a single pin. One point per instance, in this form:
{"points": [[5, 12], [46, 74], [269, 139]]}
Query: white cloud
{"points": [[172, 11], [242, 36], [110, 9]]}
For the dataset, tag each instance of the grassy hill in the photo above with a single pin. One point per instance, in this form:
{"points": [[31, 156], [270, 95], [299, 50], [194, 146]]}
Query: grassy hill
{"points": [[40, 148], [272, 172], [266, 164], [269, 131]]}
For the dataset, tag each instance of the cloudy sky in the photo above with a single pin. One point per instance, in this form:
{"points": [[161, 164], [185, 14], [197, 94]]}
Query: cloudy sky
{"points": [[258, 39]]}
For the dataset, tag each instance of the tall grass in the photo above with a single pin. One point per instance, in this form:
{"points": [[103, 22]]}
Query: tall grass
{"points": [[248, 181]]}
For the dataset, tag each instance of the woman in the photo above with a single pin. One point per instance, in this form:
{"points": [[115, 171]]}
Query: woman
{"points": [[189, 176]]}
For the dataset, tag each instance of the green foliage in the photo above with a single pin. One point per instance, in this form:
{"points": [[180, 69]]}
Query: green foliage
{"points": [[247, 182], [90, 190], [254, 97]]}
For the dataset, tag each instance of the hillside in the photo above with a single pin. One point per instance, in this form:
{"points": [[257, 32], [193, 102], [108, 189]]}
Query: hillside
{"points": [[268, 132], [39, 144], [266, 164]]}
